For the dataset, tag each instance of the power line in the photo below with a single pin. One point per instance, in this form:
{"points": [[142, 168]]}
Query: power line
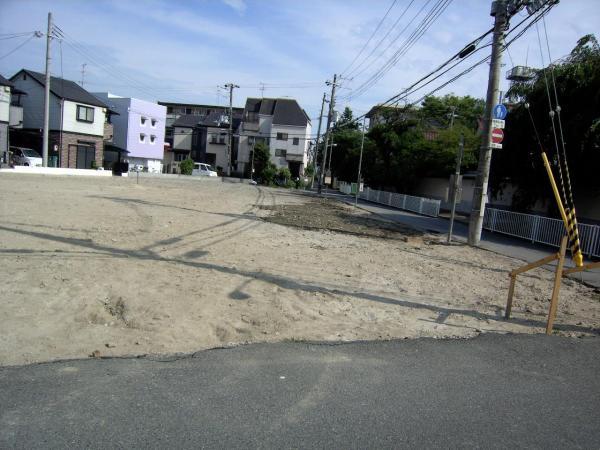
{"points": [[370, 37], [18, 46], [350, 74]]}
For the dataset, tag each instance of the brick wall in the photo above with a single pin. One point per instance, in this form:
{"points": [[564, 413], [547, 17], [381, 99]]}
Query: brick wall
{"points": [[69, 159]]}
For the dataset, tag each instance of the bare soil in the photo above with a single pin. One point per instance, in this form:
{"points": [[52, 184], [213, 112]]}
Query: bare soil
{"points": [[107, 267]]}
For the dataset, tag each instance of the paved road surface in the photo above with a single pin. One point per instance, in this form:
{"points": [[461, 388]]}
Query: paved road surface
{"points": [[491, 392]]}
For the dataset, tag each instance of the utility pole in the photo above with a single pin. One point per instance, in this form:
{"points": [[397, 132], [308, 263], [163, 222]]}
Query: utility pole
{"points": [[327, 131], [459, 155], [45, 137], [362, 145], [83, 73], [500, 13], [231, 87], [452, 116], [330, 153], [312, 181]]}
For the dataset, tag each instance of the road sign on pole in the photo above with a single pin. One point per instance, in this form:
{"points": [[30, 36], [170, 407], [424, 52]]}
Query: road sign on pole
{"points": [[500, 111], [497, 138], [497, 123]]}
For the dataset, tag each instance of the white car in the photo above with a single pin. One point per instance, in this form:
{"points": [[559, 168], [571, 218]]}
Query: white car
{"points": [[203, 170], [25, 157]]}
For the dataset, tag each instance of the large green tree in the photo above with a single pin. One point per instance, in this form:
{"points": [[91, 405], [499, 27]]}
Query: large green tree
{"points": [[577, 79]]}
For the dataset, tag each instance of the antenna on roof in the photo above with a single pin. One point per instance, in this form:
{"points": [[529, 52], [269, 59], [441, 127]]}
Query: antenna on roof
{"points": [[262, 89], [83, 73]]}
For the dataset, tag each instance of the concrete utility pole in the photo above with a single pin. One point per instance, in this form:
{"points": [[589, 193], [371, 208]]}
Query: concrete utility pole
{"points": [[362, 145], [327, 131], [459, 155], [500, 13], [45, 133], [312, 181], [330, 153], [231, 87]]}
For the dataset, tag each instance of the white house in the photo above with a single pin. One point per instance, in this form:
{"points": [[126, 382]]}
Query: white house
{"points": [[138, 128], [79, 121], [281, 124]]}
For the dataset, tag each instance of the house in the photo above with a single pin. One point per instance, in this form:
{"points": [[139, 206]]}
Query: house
{"points": [[204, 139], [80, 123], [175, 110], [5, 98], [139, 128], [279, 123]]}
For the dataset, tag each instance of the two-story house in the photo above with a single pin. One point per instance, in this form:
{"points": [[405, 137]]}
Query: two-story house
{"points": [[138, 128], [281, 124], [5, 95], [77, 120], [176, 110], [203, 139]]}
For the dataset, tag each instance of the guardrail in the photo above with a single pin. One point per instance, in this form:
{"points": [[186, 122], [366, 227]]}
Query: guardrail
{"points": [[540, 229], [421, 205]]}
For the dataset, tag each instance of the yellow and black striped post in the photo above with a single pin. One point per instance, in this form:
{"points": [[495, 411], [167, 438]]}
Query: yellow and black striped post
{"points": [[568, 217]]}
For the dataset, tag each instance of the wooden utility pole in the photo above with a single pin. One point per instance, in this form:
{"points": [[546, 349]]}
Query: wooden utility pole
{"points": [[500, 13], [362, 145], [315, 161], [327, 131], [45, 132], [455, 186], [231, 87]]}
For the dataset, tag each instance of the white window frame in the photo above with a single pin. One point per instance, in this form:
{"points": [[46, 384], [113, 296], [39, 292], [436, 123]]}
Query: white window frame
{"points": [[279, 151], [152, 139], [143, 121], [142, 137], [153, 123]]}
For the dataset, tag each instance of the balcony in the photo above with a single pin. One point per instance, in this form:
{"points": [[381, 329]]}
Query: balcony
{"points": [[16, 116]]}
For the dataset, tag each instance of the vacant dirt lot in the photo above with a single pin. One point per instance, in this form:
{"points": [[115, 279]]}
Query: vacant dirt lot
{"points": [[108, 267]]}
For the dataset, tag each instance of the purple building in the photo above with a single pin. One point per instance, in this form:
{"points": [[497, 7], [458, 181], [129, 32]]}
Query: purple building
{"points": [[139, 128]]}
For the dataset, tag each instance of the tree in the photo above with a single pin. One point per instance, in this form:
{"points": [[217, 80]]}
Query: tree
{"points": [[263, 167], [577, 80], [186, 166]]}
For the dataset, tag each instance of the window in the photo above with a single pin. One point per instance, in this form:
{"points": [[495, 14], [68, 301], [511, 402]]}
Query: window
{"points": [[188, 110], [251, 140], [142, 137], [282, 136], [213, 138], [169, 110], [222, 138], [153, 123], [181, 156], [296, 141], [143, 121], [85, 114], [152, 139], [280, 152]]}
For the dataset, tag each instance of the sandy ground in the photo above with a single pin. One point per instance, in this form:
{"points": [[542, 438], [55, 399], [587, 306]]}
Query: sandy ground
{"points": [[108, 267]]}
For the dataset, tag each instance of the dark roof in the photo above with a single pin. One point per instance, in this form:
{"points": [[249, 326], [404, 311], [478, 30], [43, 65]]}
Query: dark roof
{"points": [[199, 105], [285, 111], [5, 82], [69, 90], [188, 121]]}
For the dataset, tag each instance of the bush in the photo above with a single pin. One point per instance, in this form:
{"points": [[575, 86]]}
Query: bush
{"points": [[186, 166], [268, 174]]}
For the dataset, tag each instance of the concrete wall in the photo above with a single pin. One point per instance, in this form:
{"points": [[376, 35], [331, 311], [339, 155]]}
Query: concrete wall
{"points": [[151, 112]]}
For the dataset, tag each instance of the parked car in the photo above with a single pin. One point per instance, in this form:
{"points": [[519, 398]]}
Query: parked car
{"points": [[22, 156], [203, 170]]}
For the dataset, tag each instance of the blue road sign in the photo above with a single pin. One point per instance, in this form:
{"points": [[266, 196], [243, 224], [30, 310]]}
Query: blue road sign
{"points": [[500, 111]]}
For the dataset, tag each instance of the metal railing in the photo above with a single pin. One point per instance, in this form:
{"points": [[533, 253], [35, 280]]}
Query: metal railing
{"points": [[540, 229], [421, 205]]}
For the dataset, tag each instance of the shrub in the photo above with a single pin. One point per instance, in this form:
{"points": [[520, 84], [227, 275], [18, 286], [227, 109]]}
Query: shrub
{"points": [[268, 174], [186, 166]]}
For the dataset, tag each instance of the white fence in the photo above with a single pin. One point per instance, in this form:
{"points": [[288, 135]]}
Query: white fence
{"points": [[425, 206], [540, 229]]}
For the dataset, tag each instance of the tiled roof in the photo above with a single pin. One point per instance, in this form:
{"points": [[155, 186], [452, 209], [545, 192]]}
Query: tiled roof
{"points": [[69, 90]]}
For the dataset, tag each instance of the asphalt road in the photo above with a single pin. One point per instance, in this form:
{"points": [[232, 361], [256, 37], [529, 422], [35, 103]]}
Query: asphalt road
{"points": [[494, 391]]}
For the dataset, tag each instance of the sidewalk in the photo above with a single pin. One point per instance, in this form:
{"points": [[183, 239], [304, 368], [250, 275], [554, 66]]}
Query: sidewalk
{"points": [[496, 242]]}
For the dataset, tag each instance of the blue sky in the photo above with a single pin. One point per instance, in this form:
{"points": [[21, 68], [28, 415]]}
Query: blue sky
{"points": [[182, 50]]}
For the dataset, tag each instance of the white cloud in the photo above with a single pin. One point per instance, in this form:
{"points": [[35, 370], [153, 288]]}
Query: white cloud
{"points": [[238, 5]]}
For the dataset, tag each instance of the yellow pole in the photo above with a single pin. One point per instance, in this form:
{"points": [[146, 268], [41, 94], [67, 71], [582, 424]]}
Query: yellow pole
{"points": [[577, 257]]}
